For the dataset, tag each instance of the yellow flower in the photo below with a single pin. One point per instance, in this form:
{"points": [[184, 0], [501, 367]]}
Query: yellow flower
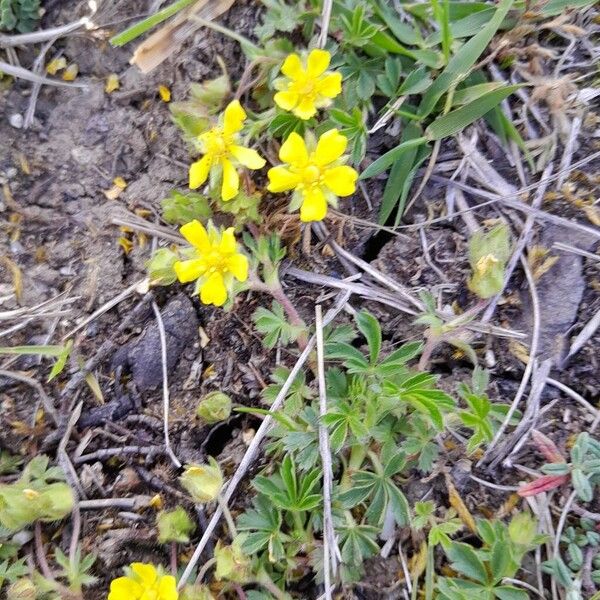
{"points": [[143, 582], [317, 177], [222, 153], [307, 86], [213, 260]]}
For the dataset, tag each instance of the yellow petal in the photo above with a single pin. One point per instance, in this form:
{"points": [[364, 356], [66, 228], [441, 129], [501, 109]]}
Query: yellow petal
{"points": [[286, 100], [124, 588], [341, 180], [146, 573], [233, 117], [331, 145], [238, 266], [167, 588], [213, 290], [282, 180], [314, 206], [330, 85], [293, 150], [227, 243], [317, 63], [231, 181], [248, 157], [195, 233], [199, 172], [292, 66], [306, 108], [189, 270]]}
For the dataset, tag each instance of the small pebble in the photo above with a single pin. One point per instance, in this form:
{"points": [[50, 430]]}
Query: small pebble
{"points": [[16, 120]]}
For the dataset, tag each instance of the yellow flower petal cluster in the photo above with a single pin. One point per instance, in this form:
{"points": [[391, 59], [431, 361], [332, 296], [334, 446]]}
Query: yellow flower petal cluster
{"points": [[222, 153], [213, 260], [317, 176], [307, 85], [143, 582]]}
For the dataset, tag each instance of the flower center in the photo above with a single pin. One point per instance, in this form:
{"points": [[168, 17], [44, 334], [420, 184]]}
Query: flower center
{"points": [[311, 174], [215, 262], [217, 143]]}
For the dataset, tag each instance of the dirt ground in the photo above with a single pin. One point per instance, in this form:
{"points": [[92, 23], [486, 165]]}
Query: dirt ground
{"points": [[57, 231]]}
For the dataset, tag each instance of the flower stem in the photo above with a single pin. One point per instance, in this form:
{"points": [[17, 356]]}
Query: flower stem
{"points": [[174, 559]]}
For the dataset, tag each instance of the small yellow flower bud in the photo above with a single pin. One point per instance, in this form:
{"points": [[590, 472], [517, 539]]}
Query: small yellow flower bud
{"points": [[30, 494], [232, 563], [22, 589], [203, 482], [196, 592], [214, 407]]}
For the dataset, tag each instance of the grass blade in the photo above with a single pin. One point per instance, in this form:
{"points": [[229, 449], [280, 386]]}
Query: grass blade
{"points": [[390, 157], [27, 350], [460, 64], [458, 119], [139, 28]]}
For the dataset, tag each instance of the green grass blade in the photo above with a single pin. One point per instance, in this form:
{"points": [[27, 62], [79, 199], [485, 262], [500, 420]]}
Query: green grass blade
{"points": [[133, 32], [26, 350], [460, 64], [458, 119], [390, 157], [400, 171]]}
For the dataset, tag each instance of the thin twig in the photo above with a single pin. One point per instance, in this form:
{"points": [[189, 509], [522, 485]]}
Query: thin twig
{"points": [[22, 73], [43, 35], [574, 395], [330, 557], [325, 19], [46, 401], [165, 382]]}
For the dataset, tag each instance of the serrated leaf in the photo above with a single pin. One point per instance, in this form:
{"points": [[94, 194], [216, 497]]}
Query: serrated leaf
{"points": [[464, 560]]}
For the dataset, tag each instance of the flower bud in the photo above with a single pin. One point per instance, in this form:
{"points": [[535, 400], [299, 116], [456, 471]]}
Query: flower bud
{"points": [[22, 589], [522, 529], [233, 564], [174, 526], [214, 407], [196, 592], [203, 482]]}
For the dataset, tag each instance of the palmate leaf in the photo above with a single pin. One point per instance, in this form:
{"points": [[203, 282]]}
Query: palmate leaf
{"points": [[381, 491], [465, 560]]}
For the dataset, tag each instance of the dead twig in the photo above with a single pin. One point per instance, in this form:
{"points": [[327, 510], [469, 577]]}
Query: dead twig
{"points": [[46, 400], [331, 553], [165, 382]]}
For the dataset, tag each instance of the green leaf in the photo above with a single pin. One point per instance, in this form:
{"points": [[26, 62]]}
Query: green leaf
{"points": [[390, 157], [274, 325], [369, 327], [50, 350], [400, 172], [508, 592], [499, 560], [464, 560], [61, 361], [458, 119], [133, 32], [582, 485], [461, 63], [182, 207]]}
